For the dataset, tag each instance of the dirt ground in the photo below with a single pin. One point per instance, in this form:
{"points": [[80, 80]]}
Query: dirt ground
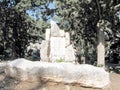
{"points": [[7, 83]]}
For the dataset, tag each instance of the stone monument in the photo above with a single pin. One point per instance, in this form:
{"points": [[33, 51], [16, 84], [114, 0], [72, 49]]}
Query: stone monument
{"points": [[56, 45]]}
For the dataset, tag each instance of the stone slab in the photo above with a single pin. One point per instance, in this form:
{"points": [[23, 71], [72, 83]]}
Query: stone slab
{"points": [[69, 54], [84, 75], [47, 35], [57, 48], [44, 51], [67, 39]]}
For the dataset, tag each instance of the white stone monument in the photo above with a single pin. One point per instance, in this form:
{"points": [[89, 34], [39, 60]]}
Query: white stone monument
{"points": [[57, 45], [47, 35], [54, 29], [67, 39], [44, 51], [69, 54], [57, 48]]}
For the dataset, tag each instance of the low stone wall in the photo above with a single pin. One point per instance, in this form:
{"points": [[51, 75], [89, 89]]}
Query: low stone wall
{"points": [[84, 75]]}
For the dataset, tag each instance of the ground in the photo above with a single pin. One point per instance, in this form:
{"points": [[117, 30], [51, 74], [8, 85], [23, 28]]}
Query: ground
{"points": [[7, 83]]}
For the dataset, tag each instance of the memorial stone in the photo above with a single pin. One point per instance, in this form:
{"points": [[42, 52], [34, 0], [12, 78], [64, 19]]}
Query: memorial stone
{"points": [[47, 35], [44, 51], [57, 48], [54, 29]]}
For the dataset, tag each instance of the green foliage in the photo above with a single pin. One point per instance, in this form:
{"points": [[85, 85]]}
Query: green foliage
{"points": [[80, 18], [60, 60], [17, 29], [100, 65]]}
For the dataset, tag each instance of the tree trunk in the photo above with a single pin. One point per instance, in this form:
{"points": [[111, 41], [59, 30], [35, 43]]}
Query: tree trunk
{"points": [[101, 45]]}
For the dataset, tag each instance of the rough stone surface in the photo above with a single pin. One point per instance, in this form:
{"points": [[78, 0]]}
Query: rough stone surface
{"points": [[54, 29], [44, 51], [67, 39], [62, 33], [57, 48], [47, 35], [2, 64], [69, 54], [84, 75]]}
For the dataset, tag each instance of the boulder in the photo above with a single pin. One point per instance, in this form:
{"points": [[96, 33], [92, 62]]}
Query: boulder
{"points": [[83, 75]]}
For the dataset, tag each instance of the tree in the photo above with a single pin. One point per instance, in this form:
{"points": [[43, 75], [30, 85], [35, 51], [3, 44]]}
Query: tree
{"points": [[17, 29], [88, 20], [14, 36]]}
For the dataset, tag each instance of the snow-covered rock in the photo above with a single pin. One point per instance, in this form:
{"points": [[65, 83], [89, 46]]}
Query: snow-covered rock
{"points": [[85, 75]]}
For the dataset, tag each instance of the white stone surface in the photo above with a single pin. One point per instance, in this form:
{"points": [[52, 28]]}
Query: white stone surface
{"points": [[44, 51], [34, 46], [62, 33], [47, 35], [2, 64], [67, 39], [69, 54], [57, 48], [85, 75], [54, 29]]}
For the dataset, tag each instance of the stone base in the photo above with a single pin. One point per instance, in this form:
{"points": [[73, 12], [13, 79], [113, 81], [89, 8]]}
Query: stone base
{"points": [[83, 75]]}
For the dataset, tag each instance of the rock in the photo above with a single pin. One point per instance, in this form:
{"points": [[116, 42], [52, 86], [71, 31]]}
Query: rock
{"points": [[33, 51], [44, 51], [54, 29], [37, 46], [69, 54], [67, 39], [84, 75], [62, 33], [33, 46], [47, 35], [2, 66], [57, 48]]}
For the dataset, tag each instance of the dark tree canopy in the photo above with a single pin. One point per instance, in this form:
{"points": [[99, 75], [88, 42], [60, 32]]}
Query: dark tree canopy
{"points": [[16, 30], [14, 36]]}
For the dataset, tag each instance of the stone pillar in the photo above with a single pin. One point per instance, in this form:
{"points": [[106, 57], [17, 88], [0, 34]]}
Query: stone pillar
{"points": [[101, 44], [44, 51]]}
